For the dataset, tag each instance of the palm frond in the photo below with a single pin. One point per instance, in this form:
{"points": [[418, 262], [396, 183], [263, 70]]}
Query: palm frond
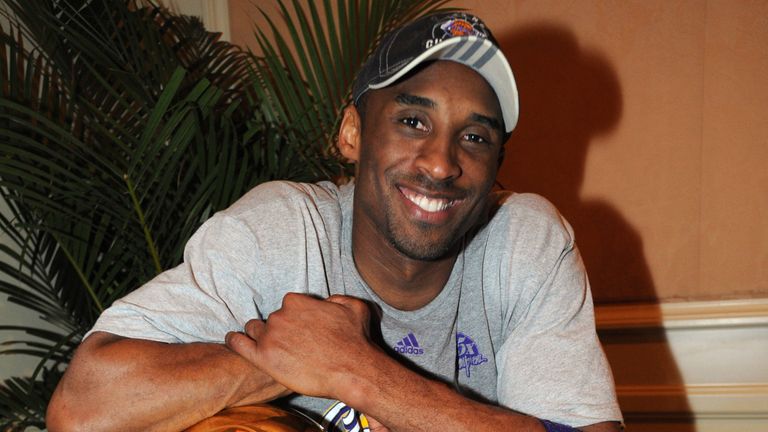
{"points": [[124, 127], [305, 79], [100, 120], [23, 401]]}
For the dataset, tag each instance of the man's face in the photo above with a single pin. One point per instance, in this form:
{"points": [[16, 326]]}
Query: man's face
{"points": [[428, 156]]}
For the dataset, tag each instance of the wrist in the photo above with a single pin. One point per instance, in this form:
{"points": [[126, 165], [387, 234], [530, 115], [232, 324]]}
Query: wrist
{"points": [[359, 385], [556, 427], [247, 383]]}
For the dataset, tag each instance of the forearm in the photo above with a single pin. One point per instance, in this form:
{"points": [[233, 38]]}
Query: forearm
{"points": [[403, 400], [406, 401], [304, 358], [126, 384]]}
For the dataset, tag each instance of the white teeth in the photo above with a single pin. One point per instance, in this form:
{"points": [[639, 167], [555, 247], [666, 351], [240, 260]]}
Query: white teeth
{"points": [[429, 204]]}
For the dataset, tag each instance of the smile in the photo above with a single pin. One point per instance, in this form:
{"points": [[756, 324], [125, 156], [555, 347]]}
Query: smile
{"points": [[431, 205]]}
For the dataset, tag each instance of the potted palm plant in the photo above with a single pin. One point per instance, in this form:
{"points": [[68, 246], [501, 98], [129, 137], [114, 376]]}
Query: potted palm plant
{"points": [[123, 127]]}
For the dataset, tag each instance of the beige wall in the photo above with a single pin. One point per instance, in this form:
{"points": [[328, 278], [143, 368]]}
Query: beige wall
{"points": [[644, 121]]}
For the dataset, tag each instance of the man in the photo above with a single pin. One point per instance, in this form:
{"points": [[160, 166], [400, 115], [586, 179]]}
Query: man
{"points": [[413, 299]]}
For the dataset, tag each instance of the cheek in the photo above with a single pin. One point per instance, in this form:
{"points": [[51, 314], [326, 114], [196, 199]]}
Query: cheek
{"points": [[381, 151], [481, 171], [371, 167]]}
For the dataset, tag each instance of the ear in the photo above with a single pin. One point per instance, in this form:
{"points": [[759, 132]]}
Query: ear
{"points": [[349, 134]]}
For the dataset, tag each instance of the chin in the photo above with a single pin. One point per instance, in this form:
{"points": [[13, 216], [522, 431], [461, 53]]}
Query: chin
{"points": [[424, 250]]}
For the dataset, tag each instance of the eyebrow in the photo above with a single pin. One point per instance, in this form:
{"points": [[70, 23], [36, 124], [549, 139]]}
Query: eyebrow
{"points": [[410, 99], [491, 122]]}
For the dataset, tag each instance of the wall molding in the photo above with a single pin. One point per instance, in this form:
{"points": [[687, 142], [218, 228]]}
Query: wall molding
{"points": [[700, 401], [725, 313], [699, 363]]}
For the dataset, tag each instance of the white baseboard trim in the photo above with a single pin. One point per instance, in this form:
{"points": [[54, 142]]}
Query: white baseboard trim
{"points": [[699, 362], [727, 313], [725, 401]]}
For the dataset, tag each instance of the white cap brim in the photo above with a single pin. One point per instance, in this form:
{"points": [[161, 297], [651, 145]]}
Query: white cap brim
{"points": [[483, 56]]}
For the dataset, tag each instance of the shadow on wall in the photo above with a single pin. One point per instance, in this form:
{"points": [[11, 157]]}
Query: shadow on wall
{"points": [[568, 96]]}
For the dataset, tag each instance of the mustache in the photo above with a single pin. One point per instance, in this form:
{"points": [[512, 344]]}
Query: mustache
{"points": [[445, 187]]}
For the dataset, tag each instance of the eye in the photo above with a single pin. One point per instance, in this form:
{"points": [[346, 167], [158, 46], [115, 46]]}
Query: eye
{"points": [[474, 138], [415, 123]]}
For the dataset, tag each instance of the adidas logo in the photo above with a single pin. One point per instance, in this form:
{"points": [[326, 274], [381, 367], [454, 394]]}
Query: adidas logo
{"points": [[409, 345]]}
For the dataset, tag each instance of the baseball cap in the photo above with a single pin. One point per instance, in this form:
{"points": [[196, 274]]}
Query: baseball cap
{"points": [[453, 36]]}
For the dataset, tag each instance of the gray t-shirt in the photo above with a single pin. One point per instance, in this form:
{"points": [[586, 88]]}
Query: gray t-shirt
{"points": [[513, 326]]}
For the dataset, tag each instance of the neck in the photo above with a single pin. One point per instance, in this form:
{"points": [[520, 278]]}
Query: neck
{"points": [[402, 282]]}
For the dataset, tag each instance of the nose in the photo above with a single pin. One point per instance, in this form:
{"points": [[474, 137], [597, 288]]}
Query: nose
{"points": [[438, 159]]}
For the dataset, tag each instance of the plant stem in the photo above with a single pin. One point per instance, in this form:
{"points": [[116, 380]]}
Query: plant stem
{"points": [[142, 221], [79, 273]]}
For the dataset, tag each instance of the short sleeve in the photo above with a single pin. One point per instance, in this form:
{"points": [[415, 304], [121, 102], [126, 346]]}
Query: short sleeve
{"points": [[209, 294], [237, 267], [551, 364]]}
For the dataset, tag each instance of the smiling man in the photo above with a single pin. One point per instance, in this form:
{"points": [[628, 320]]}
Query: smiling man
{"points": [[413, 299]]}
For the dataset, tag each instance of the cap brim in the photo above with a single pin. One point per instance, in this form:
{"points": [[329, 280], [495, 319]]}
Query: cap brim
{"points": [[479, 54]]}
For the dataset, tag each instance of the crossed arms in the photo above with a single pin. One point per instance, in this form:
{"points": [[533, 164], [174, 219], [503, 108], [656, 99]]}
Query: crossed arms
{"points": [[116, 383]]}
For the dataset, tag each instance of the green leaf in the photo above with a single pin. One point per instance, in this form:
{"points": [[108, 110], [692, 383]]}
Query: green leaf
{"points": [[124, 127]]}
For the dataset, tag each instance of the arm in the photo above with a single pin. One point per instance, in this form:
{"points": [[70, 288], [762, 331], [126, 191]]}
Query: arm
{"points": [[232, 272], [160, 386], [427, 403], [305, 359]]}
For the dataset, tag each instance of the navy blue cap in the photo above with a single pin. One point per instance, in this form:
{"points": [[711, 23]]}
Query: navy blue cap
{"points": [[452, 36]]}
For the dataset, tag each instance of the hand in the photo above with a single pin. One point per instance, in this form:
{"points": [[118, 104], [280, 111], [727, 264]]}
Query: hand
{"points": [[309, 345], [375, 426]]}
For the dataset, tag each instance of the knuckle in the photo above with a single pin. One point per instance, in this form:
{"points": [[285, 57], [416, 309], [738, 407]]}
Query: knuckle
{"points": [[252, 326], [238, 342], [274, 318], [361, 308], [290, 299]]}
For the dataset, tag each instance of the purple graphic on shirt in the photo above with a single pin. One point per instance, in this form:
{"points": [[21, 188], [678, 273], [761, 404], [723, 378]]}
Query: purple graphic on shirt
{"points": [[468, 353]]}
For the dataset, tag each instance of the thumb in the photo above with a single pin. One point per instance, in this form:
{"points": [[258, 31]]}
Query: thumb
{"points": [[375, 425], [358, 307], [342, 299]]}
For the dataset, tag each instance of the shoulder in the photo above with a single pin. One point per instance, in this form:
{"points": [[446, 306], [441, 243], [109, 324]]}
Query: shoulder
{"points": [[527, 217], [286, 195], [522, 205], [286, 204], [278, 210]]}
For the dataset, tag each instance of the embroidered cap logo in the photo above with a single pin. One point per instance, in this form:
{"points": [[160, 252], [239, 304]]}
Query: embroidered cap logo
{"points": [[456, 26], [459, 25]]}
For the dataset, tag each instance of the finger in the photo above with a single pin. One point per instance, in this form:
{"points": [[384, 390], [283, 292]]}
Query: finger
{"points": [[293, 298], [255, 328], [242, 344], [343, 300], [375, 425], [358, 307]]}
